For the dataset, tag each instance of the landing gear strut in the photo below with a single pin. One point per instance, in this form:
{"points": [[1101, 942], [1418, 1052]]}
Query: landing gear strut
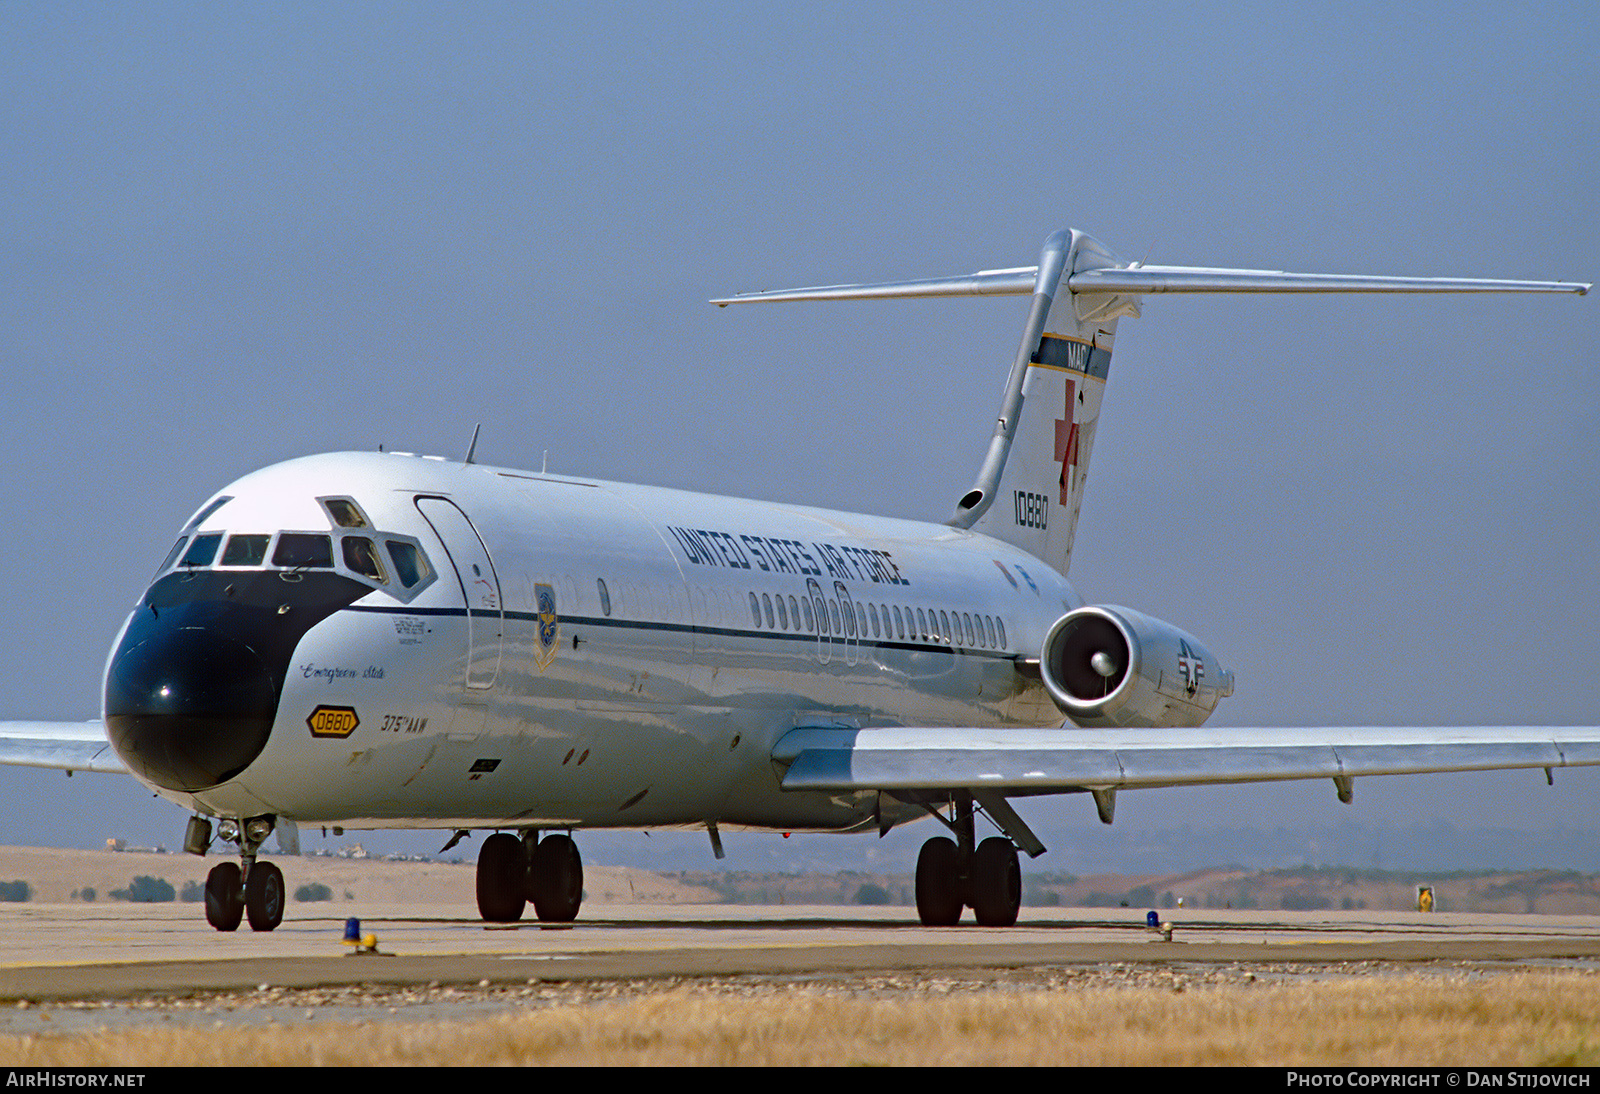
{"points": [[250, 889], [953, 874], [512, 872]]}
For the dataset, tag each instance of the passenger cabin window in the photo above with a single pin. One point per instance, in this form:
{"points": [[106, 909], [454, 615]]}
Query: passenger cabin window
{"points": [[755, 610], [248, 550], [362, 557], [605, 595], [202, 550], [303, 550]]}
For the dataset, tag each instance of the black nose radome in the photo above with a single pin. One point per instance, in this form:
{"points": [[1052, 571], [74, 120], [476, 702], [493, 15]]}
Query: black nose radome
{"points": [[193, 687], [189, 707]]}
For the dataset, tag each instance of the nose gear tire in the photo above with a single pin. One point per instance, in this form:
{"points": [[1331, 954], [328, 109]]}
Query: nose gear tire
{"points": [[224, 897], [263, 896]]}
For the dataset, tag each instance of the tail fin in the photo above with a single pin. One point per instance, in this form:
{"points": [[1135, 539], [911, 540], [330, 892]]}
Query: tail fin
{"points": [[1030, 486], [1030, 497]]}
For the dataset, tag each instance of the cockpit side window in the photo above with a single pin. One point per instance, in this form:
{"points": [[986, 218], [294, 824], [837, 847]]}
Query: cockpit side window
{"points": [[245, 550], [299, 550], [202, 550], [345, 512], [172, 555], [196, 520], [410, 564], [362, 557]]}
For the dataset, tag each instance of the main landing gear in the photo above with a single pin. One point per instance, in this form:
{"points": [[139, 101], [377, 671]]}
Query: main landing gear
{"points": [[952, 875], [250, 889], [513, 871]]}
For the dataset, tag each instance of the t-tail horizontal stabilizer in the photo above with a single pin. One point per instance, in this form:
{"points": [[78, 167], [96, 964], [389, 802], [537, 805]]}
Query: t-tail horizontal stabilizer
{"points": [[1051, 404], [1136, 279]]}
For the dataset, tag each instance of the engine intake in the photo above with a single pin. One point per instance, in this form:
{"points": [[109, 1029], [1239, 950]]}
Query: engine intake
{"points": [[1113, 666]]}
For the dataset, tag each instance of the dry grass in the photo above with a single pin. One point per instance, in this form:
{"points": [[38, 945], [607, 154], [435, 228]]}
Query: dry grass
{"points": [[1538, 1017]]}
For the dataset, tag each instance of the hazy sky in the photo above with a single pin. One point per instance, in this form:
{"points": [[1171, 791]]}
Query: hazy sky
{"points": [[232, 234]]}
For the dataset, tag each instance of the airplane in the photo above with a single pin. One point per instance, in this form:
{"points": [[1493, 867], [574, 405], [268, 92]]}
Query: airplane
{"points": [[388, 640]]}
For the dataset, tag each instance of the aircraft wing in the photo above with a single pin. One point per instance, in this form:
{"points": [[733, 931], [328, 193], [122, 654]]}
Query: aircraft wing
{"points": [[1036, 761], [65, 746]]}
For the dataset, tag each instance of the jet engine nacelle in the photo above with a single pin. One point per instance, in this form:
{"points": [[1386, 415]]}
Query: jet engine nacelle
{"points": [[1112, 666]]}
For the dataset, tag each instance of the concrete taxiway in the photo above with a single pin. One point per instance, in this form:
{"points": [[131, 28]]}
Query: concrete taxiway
{"points": [[64, 952]]}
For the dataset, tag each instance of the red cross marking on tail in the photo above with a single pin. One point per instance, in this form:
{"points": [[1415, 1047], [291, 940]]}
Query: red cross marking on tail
{"points": [[1067, 443]]}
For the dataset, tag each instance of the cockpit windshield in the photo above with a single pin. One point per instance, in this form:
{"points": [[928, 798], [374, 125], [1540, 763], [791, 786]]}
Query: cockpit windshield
{"points": [[389, 561], [302, 550], [245, 550], [202, 550]]}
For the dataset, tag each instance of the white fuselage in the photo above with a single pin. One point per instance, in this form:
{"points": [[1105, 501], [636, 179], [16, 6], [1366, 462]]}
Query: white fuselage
{"points": [[684, 641]]}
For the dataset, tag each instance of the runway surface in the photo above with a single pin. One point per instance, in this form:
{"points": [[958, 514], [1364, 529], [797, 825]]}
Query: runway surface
{"points": [[52, 955]]}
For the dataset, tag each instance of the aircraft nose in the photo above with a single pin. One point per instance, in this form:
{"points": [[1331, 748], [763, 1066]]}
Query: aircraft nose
{"points": [[189, 707]]}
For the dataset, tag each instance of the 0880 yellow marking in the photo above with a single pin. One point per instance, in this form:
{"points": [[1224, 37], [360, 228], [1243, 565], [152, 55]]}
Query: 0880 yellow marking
{"points": [[333, 721]]}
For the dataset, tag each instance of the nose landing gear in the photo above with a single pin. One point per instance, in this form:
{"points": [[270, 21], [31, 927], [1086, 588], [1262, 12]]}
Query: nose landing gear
{"points": [[250, 889]]}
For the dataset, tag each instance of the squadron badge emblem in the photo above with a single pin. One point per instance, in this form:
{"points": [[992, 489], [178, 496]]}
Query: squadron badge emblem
{"points": [[549, 626]]}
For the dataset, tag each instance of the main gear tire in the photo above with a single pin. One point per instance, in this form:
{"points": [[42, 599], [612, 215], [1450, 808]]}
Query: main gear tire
{"points": [[939, 900], [556, 879], [502, 878], [996, 883]]}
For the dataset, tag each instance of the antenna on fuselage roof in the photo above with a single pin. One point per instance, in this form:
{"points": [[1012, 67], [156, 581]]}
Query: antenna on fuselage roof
{"points": [[473, 447]]}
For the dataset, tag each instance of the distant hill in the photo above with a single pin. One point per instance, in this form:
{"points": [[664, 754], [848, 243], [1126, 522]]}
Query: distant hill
{"points": [[1548, 892], [52, 875]]}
